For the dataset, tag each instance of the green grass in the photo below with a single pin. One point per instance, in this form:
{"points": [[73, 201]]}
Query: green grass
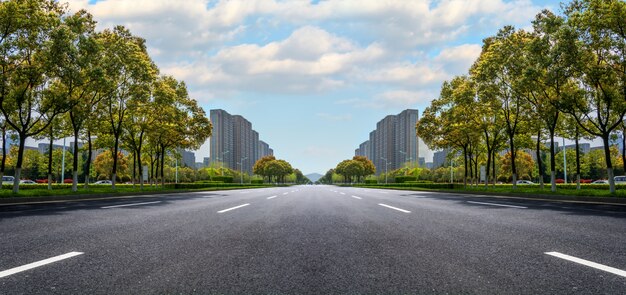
{"points": [[562, 190], [41, 190]]}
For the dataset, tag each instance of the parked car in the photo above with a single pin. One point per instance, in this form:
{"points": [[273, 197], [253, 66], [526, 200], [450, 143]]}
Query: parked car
{"points": [[27, 181], [600, 181], [559, 180], [68, 180], [525, 182], [103, 182], [620, 179], [8, 179], [586, 181], [42, 180]]}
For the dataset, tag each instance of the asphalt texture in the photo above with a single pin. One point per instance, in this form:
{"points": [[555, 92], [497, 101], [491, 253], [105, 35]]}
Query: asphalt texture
{"points": [[313, 240]]}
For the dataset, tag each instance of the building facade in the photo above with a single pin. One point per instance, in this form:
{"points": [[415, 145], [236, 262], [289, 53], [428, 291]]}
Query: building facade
{"points": [[393, 143], [234, 143]]}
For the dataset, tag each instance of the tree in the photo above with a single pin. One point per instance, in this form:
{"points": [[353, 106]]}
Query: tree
{"points": [[103, 164], [500, 69], [596, 32], [129, 72], [78, 72], [368, 166], [524, 163], [260, 167], [25, 48]]}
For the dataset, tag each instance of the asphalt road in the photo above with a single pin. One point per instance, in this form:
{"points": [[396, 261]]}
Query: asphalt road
{"points": [[312, 240]]}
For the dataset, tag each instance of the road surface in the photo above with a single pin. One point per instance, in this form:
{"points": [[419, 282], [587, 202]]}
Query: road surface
{"points": [[312, 240]]}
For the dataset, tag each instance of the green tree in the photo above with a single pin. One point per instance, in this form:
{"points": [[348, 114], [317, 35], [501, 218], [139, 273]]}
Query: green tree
{"points": [[596, 32], [500, 69], [25, 48], [129, 71]]}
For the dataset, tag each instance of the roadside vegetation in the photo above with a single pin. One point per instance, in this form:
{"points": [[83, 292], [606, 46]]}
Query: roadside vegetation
{"points": [[60, 78], [564, 78]]}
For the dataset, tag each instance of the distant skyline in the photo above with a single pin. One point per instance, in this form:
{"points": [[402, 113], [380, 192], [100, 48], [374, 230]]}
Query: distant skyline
{"points": [[313, 77]]}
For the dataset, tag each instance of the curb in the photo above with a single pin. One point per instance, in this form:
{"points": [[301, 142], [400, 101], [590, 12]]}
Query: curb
{"points": [[84, 197], [536, 197]]}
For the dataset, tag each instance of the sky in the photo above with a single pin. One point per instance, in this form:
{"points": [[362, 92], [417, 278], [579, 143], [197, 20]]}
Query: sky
{"points": [[313, 77]]}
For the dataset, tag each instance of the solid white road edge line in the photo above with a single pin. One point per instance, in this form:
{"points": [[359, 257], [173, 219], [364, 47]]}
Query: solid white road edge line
{"points": [[612, 270], [269, 198], [394, 208], [499, 205], [343, 193], [357, 197], [233, 208], [133, 204], [22, 268]]}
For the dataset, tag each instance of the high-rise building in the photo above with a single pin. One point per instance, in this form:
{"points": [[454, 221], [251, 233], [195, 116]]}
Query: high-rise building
{"points": [[393, 143], [440, 158], [221, 141], [234, 142], [188, 159]]}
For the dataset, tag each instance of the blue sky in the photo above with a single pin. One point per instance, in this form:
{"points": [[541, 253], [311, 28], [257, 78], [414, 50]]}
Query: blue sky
{"points": [[313, 77]]}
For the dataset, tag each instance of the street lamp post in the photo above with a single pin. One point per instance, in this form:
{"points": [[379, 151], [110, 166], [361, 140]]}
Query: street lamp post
{"points": [[241, 170], [386, 165], [222, 168]]}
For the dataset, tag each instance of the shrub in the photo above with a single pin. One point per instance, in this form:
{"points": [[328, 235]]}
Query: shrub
{"points": [[403, 179], [256, 181], [224, 178], [371, 181]]}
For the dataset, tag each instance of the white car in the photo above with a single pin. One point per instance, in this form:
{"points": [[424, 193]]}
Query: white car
{"points": [[600, 181], [525, 182], [27, 181], [620, 179], [103, 182], [8, 179]]}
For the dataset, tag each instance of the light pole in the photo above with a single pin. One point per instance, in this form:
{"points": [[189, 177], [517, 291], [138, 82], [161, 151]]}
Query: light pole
{"points": [[241, 170], [62, 163], [222, 168], [410, 159], [386, 165]]}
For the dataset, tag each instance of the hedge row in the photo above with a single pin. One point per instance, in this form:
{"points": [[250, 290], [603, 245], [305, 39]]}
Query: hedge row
{"points": [[211, 185], [417, 185]]}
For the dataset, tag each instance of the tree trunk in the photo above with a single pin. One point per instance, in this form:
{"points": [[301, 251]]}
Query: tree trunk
{"points": [[539, 163], [50, 160], [18, 165], [114, 170], [88, 163], [140, 169], [487, 167], [162, 167], [134, 167], [495, 175], [609, 164], [4, 152], [553, 163], [577, 160], [513, 166], [465, 167], [75, 163]]}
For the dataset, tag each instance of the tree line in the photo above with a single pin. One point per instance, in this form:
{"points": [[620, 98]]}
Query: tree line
{"points": [[566, 77], [277, 170], [60, 77], [351, 170]]}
